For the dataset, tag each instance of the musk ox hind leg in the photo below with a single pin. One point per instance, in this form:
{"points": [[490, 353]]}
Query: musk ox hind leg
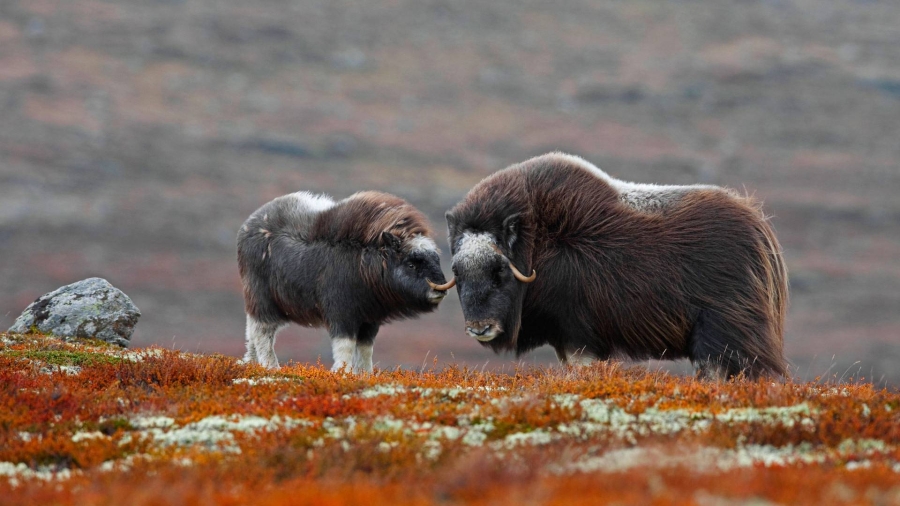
{"points": [[365, 342], [261, 342], [720, 352]]}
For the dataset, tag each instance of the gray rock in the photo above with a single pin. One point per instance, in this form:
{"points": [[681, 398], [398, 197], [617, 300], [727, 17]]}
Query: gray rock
{"points": [[90, 308]]}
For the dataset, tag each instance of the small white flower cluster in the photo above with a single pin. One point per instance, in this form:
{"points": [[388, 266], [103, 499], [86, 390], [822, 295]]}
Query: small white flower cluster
{"points": [[87, 436], [265, 380], [136, 356], [16, 471], [452, 393], [390, 428], [604, 416], [48, 369], [211, 432], [532, 438], [382, 389], [71, 370], [706, 459]]}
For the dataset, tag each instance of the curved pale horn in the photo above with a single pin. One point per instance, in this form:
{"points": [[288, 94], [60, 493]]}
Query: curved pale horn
{"points": [[521, 277], [441, 288]]}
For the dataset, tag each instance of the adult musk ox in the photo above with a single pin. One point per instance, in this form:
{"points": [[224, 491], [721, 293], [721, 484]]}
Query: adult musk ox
{"points": [[554, 251], [350, 265]]}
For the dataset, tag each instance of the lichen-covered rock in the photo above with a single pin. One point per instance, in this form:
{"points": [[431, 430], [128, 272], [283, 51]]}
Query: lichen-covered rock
{"points": [[90, 308]]}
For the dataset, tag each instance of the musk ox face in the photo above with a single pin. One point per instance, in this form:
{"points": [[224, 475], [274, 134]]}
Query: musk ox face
{"points": [[415, 271], [491, 289]]}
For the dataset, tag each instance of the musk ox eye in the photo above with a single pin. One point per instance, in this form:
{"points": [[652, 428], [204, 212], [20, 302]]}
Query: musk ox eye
{"points": [[497, 276]]}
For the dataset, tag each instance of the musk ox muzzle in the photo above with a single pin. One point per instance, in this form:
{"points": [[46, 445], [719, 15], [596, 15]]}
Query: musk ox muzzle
{"points": [[489, 286], [484, 330]]}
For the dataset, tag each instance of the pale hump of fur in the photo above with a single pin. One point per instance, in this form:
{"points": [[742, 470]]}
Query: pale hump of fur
{"points": [[643, 197], [306, 202]]}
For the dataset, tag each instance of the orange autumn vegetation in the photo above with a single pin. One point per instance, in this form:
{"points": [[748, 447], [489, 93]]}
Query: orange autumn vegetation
{"points": [[82, 423]]}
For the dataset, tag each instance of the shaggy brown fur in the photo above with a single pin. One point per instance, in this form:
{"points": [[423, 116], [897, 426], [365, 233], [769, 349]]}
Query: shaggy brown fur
{"points": [[696, 273], [363, 217]]}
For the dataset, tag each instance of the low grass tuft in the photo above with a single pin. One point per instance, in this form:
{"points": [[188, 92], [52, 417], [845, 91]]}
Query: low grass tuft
{"points": [[65, 357]]}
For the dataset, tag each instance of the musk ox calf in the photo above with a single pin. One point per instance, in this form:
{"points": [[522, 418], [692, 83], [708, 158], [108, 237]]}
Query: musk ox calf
{"points": [[350, 265], [554, 251]]}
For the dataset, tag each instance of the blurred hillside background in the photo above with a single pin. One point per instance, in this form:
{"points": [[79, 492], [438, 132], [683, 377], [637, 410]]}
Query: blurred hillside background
{"points": [[137, 135]]}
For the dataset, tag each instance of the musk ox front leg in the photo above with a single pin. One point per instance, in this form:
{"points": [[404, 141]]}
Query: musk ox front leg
{"points": [[354, 352], [365, 342], [343, 347], [343, 329]]}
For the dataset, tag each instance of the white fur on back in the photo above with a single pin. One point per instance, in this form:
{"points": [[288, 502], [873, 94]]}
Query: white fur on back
{"points": [[308, 203], [422, 243], [475, 250], [639, 196]]}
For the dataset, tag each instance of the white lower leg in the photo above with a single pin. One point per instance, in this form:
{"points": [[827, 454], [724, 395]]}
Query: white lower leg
{"points": [[342, 350], [362, 361], [578, 358], [250, 355], [261, 343]]}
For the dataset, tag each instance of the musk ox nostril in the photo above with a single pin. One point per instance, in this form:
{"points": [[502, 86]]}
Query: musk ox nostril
{"points": [[483, 332], [479, 330]]}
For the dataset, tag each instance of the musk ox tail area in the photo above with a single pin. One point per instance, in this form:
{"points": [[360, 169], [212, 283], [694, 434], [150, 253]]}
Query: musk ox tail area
{"points": [[746, 335], [774, 281]]}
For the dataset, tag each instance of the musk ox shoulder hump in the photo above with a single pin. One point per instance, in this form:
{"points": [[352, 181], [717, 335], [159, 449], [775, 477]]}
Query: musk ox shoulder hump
{"points": [[647, 198], [362, 218], [304, 203]]}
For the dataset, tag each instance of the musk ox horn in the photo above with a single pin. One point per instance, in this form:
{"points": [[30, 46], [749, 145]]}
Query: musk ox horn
{"points": [[441, 288], [521, 277]]}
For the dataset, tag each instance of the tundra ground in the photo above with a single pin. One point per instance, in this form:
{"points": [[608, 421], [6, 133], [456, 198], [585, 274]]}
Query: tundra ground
{"points": [[89, 424]]}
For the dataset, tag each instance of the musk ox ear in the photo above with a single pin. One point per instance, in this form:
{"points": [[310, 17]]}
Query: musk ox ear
{"points": [[391, 241], [451, 229], [511, 229]]}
